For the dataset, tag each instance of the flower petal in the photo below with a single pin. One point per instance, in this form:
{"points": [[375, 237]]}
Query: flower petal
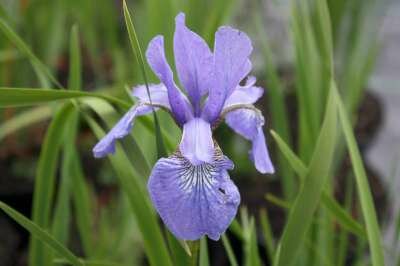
{"points": [[194, 201], [156, 58], [158, 94], [248, 123], [197, 144], [107, 144], [231, 64], [247, 94], [193, 61]]}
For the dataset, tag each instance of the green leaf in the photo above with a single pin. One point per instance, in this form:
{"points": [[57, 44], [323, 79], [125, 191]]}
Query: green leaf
{"points": [[146, 218], [15, 97], [251, 256], [364, 192], [82, 205], [45, 181], [203, 258], [41, 235], [303, 208], [135, 45], [75, 69], [62, 210], [41, 70], [24, 119], [267, 233], [327, 201], [229, 251]]}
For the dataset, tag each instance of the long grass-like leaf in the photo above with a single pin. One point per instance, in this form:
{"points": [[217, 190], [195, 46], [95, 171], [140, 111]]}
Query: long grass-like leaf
{"points": [[45, 181], [267, 233], [41, 235], [327, 201], [13, 97], [301, 213], [42, 71], [229, 251], [203, 257], [135, 45], [82, 205], [75, 69], [24, 119], [154, 243], [364, 192]]}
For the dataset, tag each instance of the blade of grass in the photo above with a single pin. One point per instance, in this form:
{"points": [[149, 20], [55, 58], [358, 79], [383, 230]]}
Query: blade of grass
{"points": [[135, 45], [180, 250], [267, 233], [14, 97], [229, 251], [41, 70], [75, 68], [154, 243], [45, 181], [203, 257], [303, 208], [251, 256], [24, 119], [62, 209], [41, 235], [328, 202], [82, 205], [343, 241], [364, 192]]}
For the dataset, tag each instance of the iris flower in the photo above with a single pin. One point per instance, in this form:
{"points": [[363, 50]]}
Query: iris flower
{"points": [[191, 189]]}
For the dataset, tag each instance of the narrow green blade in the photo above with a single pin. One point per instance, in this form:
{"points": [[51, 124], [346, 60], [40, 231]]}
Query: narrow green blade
{"points": [[41, 235], [146, 218], [363, 188], [14, 97], [301, 213], [75, 69], [135, 45], [42, 71], [229, 250], [24, 119], [45, 181], [203, 258], [327, 201]]}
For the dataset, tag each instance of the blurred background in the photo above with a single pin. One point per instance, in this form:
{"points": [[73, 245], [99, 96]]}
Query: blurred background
{"points": [[288, 63]]}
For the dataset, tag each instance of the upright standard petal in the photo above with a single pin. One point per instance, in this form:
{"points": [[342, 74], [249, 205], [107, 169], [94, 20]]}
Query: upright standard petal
{"points": [[193, 61], [247, 94], [158, 95], [231, 64], [180, 107], [249, 123], [194, 201], [107, 144], [197, 144]]}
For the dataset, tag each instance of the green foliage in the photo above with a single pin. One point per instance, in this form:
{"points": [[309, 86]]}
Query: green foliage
{"points": [[91, 75]]}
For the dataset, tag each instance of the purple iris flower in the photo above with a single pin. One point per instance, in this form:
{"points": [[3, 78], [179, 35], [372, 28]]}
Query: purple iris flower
{"points": [[191, 189]]}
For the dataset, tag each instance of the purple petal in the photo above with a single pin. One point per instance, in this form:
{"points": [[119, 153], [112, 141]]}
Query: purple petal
{"points": [[158, 94], [156, 58], [231, 64], [193, 61], [194, 201], [107, 144], [249, 123], [259, 154], [247, 94], [197, 144]]}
